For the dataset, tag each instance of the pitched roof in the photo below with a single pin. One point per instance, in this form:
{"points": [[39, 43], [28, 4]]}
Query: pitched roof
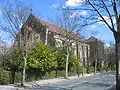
{"points": [[59, 30], [94, 39], [91, 39], [51, 27]]}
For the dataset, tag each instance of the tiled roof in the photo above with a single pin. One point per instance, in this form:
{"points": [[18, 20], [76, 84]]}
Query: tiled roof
{"points": [[94, 39], [59, 30], [51, 27]]}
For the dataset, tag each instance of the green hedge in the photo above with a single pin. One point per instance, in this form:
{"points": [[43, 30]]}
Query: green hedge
{"points": [[4, 76]]}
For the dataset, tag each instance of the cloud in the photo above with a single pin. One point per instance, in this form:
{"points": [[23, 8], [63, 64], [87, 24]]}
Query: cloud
{"points": [[78, 14], [107, 20], [74, 2]]}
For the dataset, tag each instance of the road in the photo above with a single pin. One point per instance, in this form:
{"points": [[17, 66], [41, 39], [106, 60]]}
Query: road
{"points": [[96, 82]]}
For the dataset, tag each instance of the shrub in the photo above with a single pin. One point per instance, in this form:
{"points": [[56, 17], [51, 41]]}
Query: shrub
{"points": [[17, 77], [90, 69], [85, 70], [41, 57], [105, 68], [4, 77]]}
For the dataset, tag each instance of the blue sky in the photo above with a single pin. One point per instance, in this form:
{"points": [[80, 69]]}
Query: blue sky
{"points": [[46, 9]]}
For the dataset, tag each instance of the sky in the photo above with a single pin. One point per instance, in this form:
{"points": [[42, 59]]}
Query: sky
{"points": [[46, 9]]}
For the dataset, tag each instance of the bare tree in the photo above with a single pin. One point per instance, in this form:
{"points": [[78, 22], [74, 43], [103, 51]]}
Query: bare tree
{"points": [[110, 8], [69, 35], [3, 51], [109, 56], [14, 16]]}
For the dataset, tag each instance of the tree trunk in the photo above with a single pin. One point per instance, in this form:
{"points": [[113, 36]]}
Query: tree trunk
{"points": [[117, 66], [117, 49], [13, 77], [95, 65], [83, 71], [23, 72], [87, 60], [66, 69], [83, 66], [96, 56], [78, 57], [56, 73]]}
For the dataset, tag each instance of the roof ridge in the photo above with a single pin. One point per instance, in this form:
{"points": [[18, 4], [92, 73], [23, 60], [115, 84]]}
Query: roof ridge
{"points": [[56, 28]]}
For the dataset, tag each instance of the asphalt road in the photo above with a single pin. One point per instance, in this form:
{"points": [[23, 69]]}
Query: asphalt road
{"points": [[96, 82]]}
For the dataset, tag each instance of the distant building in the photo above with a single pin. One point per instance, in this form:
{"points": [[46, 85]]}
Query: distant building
{"points": [[96, 51]]}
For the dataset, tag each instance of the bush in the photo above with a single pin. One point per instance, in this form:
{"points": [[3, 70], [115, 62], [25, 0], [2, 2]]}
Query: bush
{"points": [[34, 74], [105, 68], [17, 77], [41, 57], [55, 74], [90, 69], [4, 77]]}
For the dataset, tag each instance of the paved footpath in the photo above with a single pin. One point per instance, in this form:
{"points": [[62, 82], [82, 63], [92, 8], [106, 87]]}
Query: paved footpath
{"points": [[72, 83], [93, 82], [40, 82], [112, 87]]}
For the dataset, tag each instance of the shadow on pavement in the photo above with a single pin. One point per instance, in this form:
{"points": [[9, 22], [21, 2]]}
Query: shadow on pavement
{"points": [[92, 84], [47, 88]]}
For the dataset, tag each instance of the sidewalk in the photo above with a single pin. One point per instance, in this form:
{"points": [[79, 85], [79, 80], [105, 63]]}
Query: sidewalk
{"points": [[53, 81], [112, 87], [40, 82]]}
